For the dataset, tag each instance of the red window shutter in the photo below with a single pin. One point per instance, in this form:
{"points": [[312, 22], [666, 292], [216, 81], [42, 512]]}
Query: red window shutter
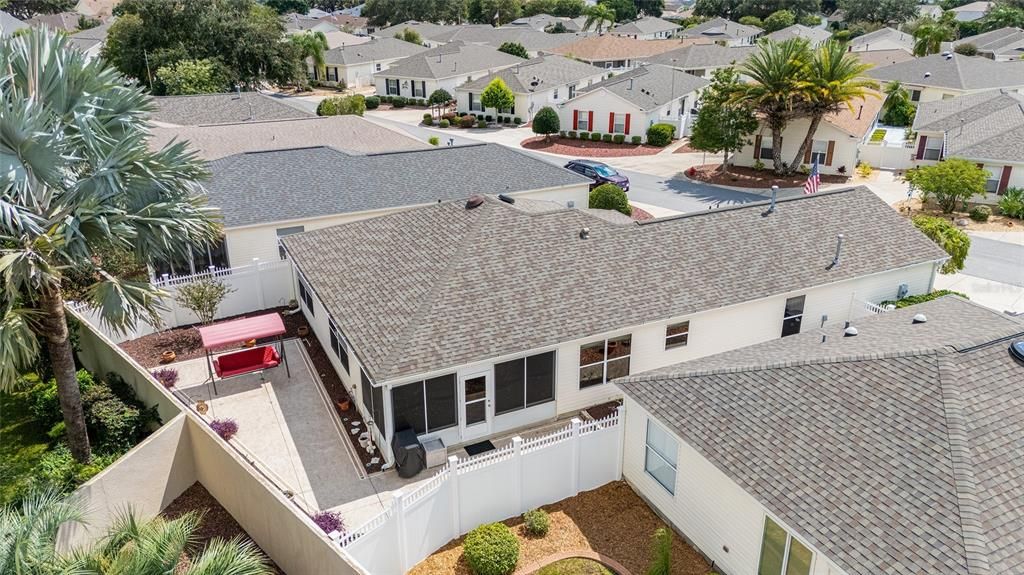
{"points": [[590, 121], [921, 143], [757, 147], [1004, 180], [575, 119], [831, 151], [627, 123], [611, 122]]}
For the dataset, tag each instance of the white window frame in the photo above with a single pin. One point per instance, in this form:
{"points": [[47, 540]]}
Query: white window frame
{"points": [[681, 339], [377, 67], [652, 452], [475, 105], [617, 127], [606, 360], [819, 152], [786, 550], [306, 295], [798, 316], [387, 87], [995, 174], [341, 349], [554, 95], [582, 118], [928, 147], [419, 91], [572, 91]]}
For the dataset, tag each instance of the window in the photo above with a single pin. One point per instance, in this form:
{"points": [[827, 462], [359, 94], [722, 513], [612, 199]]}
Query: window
{"points": [[915, 95], [391, 87], [604, 360], [524, 382], [819, 152], [511, 110], [572, 91], [699, 72], [373, 400], [660, 455], [767, 151], [932, 147], [306, 295], [282, 232], [376, 67], [792, 316], [419, 91], [619, 124], [992, 183], [339, 345], [619, 64], [781, 553], [474, 104], [582, 121], [554, 95], [332, 74], [425, 406], [677, 335]]}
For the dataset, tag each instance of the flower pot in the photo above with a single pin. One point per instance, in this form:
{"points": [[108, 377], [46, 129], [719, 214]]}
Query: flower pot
{"points": [[302, 331], [344, 404], [168, 357], [250, 343]]}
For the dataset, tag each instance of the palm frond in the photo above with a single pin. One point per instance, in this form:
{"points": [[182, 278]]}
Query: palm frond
{"points": [[233, 557], [124, 303], [19, 348], [28, 533]]}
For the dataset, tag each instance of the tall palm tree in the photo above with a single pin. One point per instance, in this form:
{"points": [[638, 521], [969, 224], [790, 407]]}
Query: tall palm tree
{"points": [[28, 533], [77, 177], [835, 80], [778, 73], [929, 36], [312, 44], [599, 17]]}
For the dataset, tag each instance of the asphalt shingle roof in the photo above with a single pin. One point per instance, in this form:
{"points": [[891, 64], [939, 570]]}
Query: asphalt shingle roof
{"points": [[814, 35], [272, 186], [548, 71], [646, 25], [702, 56], [205, 109], [452, 59], [494, 280], [721, 28], [89, 38], [648, 87], [986, 125], [376, 49], [9, 24], [608, 47], [955, 71], [883, 34], [893, 452], [1002, 42]]}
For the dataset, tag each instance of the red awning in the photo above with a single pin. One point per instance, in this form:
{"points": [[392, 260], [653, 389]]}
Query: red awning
{"points": [[237, 330]]}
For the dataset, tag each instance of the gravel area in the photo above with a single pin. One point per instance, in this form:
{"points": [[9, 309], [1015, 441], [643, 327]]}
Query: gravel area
{"points": [[611, 520], [995, 223], [743, 177], [587, 148]]}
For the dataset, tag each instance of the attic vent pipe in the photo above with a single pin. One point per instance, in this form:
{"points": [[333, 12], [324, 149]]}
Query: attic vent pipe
{"points": [[629, 86], [506, 198], [839, 251], [771, 206], [474, 201], [850, 332], [919, 318], [585, 234]]}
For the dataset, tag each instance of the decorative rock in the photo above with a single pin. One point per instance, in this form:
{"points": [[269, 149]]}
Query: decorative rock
{"points": [[962, 222]]}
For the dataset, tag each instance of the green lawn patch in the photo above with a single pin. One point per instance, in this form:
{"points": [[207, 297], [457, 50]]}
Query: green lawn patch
{"points": [[877, 135], [575, 566], [23, 441]]}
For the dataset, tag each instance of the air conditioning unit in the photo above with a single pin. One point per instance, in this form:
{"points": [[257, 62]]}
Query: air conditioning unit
{"points": [[902, 291]]}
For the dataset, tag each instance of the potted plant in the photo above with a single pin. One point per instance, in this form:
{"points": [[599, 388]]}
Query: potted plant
{"points": [[167, 376], [226, 428], [168, 356], [302, 331], [250, 342], [345, 404], [292, 304]]}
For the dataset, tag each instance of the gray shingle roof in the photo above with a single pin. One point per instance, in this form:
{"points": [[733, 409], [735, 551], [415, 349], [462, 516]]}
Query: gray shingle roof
{"points": [[548, 71], [646, 25], [452, 59], [718, 28], [91, 37], [496, 281], [883, 34], [376, 49], [891, 454], [649, 86], [702, 56], [228, 108], [272, 186], [814, 35], [9, 24], [542, 21], [986, 125], [957, 71]]}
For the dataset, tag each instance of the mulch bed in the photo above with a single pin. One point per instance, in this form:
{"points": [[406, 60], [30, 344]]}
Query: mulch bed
{"points": [[603, 410], [217, 522], [686, 149], [611, 520], [744, 177], [996, 222], [641, 215], [588, 148]]}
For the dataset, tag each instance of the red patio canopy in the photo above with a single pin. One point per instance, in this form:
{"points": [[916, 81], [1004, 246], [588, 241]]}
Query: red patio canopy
{"points": [[237, 330]]}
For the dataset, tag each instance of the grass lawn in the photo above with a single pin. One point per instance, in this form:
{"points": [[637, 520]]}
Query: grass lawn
{"points": [[22, 443], [575, 566]]}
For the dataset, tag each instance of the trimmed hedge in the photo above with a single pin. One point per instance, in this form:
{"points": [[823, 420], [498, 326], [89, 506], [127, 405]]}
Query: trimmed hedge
{"points": [[915, 299], [606, 138], [636, 140], [372, 102], [595, 137], [491, 549], [609, 197], [481, 124], [619, 138], [398, 102], [572, 135], [467, 121], [584, 135], [660, 134], [443, 124]]}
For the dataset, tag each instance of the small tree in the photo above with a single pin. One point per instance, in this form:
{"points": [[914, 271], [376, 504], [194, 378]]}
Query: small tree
{"points": [[610, 197], [749, 20], [497, 95], [950, 183], [661, 557], [722, 126], [439, 99], [410, 35], [192, 77], [955, 241], [203, 297], [779, 20], [514, 48], [897, 110], [546, 122], [966, 49]]}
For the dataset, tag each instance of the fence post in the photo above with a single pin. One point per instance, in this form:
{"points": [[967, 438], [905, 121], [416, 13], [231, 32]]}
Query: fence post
{"points": [[620, 421], [575, 456], [453, 482], [517, 473], [259, 284], [398, 509]]}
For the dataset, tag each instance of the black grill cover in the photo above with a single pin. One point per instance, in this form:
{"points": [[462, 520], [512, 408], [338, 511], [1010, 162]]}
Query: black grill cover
{"points": [[410, 457]]}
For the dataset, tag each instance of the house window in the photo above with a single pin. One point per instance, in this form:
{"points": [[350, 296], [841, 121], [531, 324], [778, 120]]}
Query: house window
{"points": [[767, 151], [282, 232], [474, 104], [619, 64], [819, 152], [915, 95], [793, 315], [373, 400], [338, 345], [661, 451], [781, 553], [419, 91], [554, 95], [524, 382], [332, 74], [582, 121], [376, 67], [425, 406], [619, 124], [604, 360], [677, 335], [306, 295], [992, 183], [511, 110], [932, 147], [572, 91], [392, 87]]}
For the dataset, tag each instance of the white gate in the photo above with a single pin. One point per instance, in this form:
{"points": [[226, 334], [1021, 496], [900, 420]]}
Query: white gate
{"points": [[887, 156]]}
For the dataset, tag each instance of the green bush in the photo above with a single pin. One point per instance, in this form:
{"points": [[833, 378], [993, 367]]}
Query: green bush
{"points": [[428, 118], [434, 140], [561, 134], [606, 138], [327, 107], [584, 135], [385, 99], [342, 105], [537, 522], [980, 213], [491, 549], [660, 134], [517, 120], [488, 118], [467, 121], [635, 140], [950, 238], [481, 124], [609, 197], [443, 124], [46, 404], [915, 299], [372, 102], [572, 135], [595, 137], [398, 102], [1012, 203], [619, 138]]}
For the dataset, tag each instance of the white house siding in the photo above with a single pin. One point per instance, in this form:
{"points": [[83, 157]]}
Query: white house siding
{"points": [[708, 507], [997, 169], [354, 75], [449, 84], [844, 153], [527, 104], [603, 103]]}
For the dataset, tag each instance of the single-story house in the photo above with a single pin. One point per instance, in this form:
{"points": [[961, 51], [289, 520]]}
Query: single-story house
{"points": [[541, 22], [702, 60], [433, 35], [944, 76], [228, 108], [835, 145], [340, 38], [816, 36], [350, 23], [972, 11], [618, 53], [463, 320], [298, 23], [266, 195], [881, 58], [647, 28], [986, 128], [929, 11], [631, 102], [90, 41], [9, 24], [543, 81], [356, 65], [63, 21], [445, 67], [882, 39], [886, 449], [1001, 45], [724, 32]]}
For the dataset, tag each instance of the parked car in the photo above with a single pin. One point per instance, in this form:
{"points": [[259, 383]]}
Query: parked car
{"points": [[600, 173]]}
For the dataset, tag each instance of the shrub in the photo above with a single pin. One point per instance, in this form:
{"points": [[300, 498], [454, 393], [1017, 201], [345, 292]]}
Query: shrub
{"points": [[1012, 203], [571, 135], [980, 213], [329, 521], [537, 522], [398, 102], [864, 169], [467, 121], [327, 107], [584, 135], [517, 120], [953, 240], [561, 133], [619, 138], [489, 118], [916, 299], [661, 556], [804, 169], [758, 165], [966, 49], [116, 424], [167, 376], [372, 102], [434, 140], [449, 116], [635, 140], [443, 124], [481, 124], [607, 138], [491, 549], [609, 197], [203, 297], [595, 137], [226, 428], [385, 99], [660, 134], [428, 118]]}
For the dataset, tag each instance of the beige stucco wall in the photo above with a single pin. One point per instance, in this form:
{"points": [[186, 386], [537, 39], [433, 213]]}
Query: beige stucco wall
{"points": [[844, 155]]}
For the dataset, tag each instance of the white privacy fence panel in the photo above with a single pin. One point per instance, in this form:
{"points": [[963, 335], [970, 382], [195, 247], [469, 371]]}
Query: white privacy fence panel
{"points": [[889, 157], [490, 487]]}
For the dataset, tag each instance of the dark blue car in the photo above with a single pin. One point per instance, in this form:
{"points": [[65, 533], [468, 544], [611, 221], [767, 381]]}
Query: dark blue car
{"points": [[600, 173]]}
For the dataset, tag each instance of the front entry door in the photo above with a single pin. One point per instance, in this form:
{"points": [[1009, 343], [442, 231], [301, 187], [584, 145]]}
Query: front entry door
{"points": [[476, 405]]}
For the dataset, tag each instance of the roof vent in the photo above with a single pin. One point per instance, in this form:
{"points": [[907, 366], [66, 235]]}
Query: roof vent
{"points": [[506, 198], [850, 331], [474, 201], [1017, 350], [919, 318], [585, 234]]}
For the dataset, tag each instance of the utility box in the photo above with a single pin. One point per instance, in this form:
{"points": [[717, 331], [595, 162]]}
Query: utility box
{"points": [[437, 453]]}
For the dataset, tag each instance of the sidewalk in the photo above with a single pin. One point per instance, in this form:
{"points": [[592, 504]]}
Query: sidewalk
{"points": [[995, 295]]}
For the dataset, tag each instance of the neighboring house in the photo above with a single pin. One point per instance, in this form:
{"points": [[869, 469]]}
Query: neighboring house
{"points": [[227, 108], [433, 35], [702, 59], [618, 53], [99, 9], [944, 76], [541, 22], [350, 23], [929, 11], [815, 36], [1001, 45], [465, 322], [266, 195], [835, 145], [90, 42], [882, 39], [631, 102], [356, 65], [882, 58], [971, 12], [538, 82], [886, 452], [647, 28], [986, 128], [297, 24], [445, 67], [340, 39], [724, 32], [63, 21], [9, 24]]}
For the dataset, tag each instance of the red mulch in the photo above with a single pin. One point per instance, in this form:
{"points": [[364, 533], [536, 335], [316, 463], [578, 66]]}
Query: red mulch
{"points": [[217, 522], [587, 148], [641, 215], [744, 177], [603, 410], [686, 149]]}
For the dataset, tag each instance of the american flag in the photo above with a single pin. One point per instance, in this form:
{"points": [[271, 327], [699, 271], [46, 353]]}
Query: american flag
{"points": [[813, 181]]}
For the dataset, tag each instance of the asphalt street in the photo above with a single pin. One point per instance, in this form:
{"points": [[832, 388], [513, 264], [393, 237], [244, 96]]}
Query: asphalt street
{"points": [[997, 261]]}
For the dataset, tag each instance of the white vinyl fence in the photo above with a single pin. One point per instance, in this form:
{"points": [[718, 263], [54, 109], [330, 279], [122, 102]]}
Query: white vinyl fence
{"points": [[259, 285], [490, 487], [886, 156]]}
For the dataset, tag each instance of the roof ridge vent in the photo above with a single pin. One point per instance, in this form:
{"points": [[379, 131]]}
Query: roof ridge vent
{"points": [[919, 318], [474, 201], [850, 331]]}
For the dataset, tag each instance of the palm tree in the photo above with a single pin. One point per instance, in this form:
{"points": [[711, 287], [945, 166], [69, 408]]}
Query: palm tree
{"points": [[835, 79], [28, 533], [598, 16], [78, 178], [312, 44], [778, 73], [929, 36]]}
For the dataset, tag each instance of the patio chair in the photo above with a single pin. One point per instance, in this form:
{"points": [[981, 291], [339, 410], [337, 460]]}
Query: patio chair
{"points": [[246, 361]]}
